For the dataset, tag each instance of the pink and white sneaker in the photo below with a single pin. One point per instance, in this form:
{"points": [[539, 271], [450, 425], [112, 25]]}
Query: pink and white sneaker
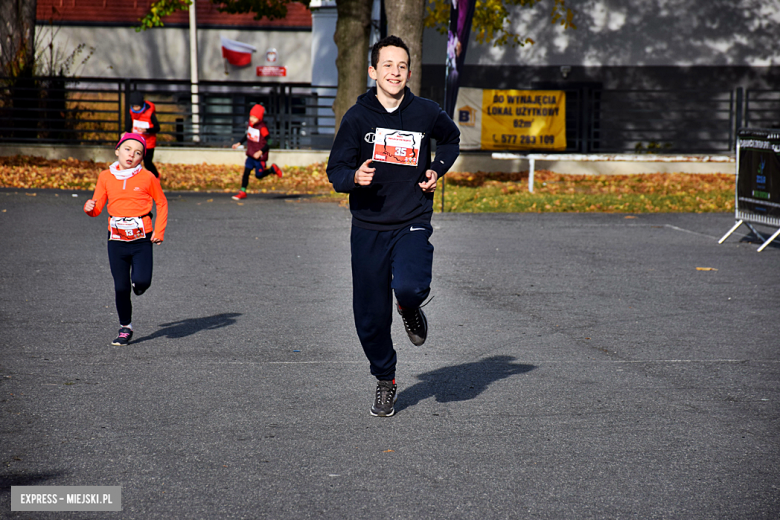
{"points": [[125, 335]]}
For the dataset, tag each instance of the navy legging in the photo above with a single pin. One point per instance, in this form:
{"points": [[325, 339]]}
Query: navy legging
{"points": [[131, 267]]}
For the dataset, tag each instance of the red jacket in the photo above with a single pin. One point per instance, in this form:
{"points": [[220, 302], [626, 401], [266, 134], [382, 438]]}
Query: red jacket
{"points": [[145, 118], [257, 139]]}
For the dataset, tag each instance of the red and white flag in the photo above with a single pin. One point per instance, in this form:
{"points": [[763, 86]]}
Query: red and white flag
{"points": [[237, 53]]}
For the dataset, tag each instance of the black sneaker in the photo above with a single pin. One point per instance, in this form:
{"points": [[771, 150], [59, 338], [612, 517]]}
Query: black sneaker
{"points": [[415, 323], [125, 335], [385, 399]]}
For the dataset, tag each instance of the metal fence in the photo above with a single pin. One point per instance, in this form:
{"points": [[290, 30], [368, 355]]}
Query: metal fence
{"points": [[658, 121], [299, 115], [94, 111], [762, 108]]}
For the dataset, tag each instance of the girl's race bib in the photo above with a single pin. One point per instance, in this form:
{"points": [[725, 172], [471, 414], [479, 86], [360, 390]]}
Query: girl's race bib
{"points": [[397, 146], [253, 134], [127, 229]]}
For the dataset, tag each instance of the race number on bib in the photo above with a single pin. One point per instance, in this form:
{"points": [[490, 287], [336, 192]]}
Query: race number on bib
{"points": [[253, 134], [397, 146], [140, 127], [127, 229]]}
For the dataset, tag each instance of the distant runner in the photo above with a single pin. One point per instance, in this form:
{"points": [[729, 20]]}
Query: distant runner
{"points": [[256, 139]]}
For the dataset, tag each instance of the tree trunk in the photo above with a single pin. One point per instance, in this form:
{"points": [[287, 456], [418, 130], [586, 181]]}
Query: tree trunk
{"points": [[405, 20], [17, 35], [353, 28]]}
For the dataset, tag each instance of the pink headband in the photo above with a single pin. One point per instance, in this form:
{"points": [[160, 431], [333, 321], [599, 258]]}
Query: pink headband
{"points": [[135, 137]]}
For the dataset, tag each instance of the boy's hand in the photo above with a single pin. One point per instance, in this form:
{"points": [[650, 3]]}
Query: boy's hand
{"points": [[236, 145], [89, 206], [365, 174], [156, 240], [257, 154], [429, 186]]}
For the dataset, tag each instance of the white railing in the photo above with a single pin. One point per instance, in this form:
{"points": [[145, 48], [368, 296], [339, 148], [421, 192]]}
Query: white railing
{"points": [[617, 157]]}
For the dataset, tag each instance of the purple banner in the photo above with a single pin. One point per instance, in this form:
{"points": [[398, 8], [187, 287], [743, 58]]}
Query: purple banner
{"points": [[461, 14]]}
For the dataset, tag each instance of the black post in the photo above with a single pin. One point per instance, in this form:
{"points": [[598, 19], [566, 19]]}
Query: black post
{"points": [[123, 120], [585, 120], [739, 113]]}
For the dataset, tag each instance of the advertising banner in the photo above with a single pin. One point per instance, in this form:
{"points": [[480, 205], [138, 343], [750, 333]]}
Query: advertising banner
{"points": [[758, 172], [511, 120]]}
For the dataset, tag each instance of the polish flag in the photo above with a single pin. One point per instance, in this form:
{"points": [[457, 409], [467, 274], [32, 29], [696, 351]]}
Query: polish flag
{"points": [[237, 53]]}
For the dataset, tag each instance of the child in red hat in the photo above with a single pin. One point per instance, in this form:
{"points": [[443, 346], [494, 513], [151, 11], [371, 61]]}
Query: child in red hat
{"points": [[256, 138]]}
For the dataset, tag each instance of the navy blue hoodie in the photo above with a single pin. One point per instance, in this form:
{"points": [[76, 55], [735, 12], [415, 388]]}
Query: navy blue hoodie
{"points": [[393, 199]]}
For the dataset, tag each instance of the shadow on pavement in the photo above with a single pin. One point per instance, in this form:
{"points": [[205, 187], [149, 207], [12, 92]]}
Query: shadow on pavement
{"points": [[751, 238], [26, 479], [460, 382], [190, 326]]}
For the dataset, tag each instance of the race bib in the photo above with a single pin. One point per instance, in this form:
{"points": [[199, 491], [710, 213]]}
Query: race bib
{"points": [[253, 134], [127, 229], [140, 127], [397, 146]]}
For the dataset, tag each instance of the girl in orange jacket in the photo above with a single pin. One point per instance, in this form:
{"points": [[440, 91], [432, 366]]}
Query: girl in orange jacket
{"points": [[130, 191]]}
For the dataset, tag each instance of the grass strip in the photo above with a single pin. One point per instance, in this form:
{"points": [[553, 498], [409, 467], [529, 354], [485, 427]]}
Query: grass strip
{"points": [[555, 192]]}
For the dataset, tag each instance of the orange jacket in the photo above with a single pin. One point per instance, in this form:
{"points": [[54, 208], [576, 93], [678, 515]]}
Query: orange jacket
{"points": [[132, 197]]}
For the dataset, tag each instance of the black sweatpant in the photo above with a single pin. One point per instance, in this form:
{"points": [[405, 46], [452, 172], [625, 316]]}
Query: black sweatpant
{"points": [[131, 267], [399, 260]]}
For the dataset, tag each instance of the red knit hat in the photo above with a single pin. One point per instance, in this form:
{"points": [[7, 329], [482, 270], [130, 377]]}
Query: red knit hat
{"points": [[258, 111], [131, 136]]}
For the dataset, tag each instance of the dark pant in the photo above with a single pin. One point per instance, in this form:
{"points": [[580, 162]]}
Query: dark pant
{"points": [[259, 167], [148, 164], [400, 260], [131, 267]]}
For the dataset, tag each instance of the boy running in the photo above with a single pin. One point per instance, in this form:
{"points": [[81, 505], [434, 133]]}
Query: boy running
{"points": [[382, 157], [257, 147]]}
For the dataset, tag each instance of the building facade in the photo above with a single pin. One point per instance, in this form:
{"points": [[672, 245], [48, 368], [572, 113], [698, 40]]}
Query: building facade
{"points": [[108, 31]]}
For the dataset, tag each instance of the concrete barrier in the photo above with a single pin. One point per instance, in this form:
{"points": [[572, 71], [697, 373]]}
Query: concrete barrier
{"points": [[466, 162]]}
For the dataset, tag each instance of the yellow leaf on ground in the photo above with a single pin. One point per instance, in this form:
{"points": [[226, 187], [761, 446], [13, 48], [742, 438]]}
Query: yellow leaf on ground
{"points": [[706, 269]]}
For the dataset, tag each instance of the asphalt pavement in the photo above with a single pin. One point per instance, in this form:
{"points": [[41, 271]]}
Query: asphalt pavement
{"points": [[577, 366]]}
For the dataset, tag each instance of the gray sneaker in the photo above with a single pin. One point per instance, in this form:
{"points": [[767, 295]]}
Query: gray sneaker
{"points": [[384, 399], [415, 323]]}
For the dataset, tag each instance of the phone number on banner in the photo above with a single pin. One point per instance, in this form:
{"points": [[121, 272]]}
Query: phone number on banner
{"points": [[523, 139]]}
